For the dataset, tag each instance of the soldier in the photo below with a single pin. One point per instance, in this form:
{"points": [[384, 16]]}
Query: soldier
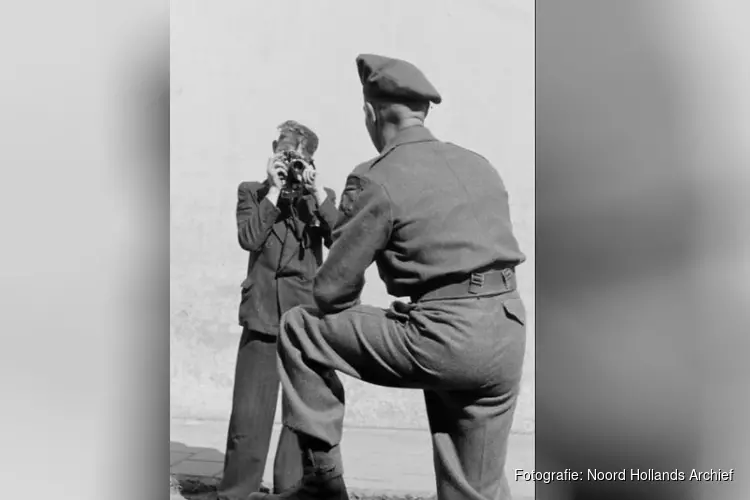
{"points": [[283, 232], [435, 218]]}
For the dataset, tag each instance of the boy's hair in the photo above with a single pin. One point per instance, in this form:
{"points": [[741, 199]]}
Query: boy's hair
{"points": [[299, 134]]}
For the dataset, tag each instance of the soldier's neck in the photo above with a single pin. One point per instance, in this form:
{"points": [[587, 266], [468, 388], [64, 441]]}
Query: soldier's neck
{"points": [[391, 130]]}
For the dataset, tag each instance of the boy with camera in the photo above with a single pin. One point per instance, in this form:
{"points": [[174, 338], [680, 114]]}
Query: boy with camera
{"points": [[283, 222]]}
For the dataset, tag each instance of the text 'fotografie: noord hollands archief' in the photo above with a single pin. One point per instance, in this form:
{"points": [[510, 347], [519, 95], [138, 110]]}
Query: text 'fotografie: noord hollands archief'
{"points": [[646, 475]]}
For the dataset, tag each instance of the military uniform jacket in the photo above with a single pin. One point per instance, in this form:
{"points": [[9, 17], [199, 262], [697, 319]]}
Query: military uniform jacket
{"points": [[423, 211], [283, 260]]}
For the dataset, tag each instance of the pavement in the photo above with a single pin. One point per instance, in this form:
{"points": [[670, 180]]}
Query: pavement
{"points": [[376, 460]]}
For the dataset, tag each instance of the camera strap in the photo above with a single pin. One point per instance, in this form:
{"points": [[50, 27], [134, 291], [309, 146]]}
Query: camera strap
{"points": [[297, 228]]}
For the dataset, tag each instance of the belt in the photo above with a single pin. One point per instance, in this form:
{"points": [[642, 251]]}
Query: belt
{"points": [[494, 282]]}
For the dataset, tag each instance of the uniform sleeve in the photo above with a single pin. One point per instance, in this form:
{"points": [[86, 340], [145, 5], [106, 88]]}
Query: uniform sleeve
{"points": [[254, 219], [328, 214], [363, 230]]}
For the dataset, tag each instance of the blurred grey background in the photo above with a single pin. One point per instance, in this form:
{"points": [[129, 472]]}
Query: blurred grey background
{"points": [[642, 110], [641, 244]]}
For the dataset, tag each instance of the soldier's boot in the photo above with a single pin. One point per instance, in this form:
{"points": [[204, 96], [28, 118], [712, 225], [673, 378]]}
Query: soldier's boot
{"points": [[322, 478]]}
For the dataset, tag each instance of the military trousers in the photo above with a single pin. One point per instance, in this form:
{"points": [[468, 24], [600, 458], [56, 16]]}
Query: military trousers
{"points": [[465, 354], [256, 389]]}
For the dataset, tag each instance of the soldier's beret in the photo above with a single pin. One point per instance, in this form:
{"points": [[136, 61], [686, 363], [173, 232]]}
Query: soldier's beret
{"points": [[393, 79]]}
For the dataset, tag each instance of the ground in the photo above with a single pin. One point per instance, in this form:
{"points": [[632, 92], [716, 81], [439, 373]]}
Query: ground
{"points": [[197, 489], [378, 463]]}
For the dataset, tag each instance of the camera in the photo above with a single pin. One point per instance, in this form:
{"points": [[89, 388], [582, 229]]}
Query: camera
{"points": [[295, 166]]}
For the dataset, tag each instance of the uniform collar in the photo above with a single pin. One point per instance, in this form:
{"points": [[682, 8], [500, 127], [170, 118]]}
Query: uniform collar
{"points": [[409, 135]]}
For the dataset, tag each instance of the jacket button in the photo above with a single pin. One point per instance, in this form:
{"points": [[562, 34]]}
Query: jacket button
{"points": [[269, 244]]}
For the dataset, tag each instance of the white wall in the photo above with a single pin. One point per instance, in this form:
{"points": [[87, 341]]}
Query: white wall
{"points": [[239, 68]]}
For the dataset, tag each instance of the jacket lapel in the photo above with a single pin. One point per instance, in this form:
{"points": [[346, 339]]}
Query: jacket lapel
{"points": [[278, 229], [289, 246], [295, 232]]}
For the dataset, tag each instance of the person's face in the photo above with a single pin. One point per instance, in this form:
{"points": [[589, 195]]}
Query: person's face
{"points": [[284, 143]]}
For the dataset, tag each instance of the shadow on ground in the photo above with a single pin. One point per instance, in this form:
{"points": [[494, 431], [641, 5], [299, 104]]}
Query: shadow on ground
{"points": [[195, 473]]}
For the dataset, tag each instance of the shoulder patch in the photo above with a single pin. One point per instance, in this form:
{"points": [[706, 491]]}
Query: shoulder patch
{"points": [[354, 187]]}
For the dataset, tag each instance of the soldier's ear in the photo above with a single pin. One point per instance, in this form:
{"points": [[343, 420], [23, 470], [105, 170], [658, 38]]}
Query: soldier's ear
{"points": [[274, 145], [370, 113]]}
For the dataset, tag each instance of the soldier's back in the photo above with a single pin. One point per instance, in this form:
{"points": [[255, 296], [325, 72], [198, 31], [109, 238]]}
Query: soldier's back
{"points": [[450, 215]]}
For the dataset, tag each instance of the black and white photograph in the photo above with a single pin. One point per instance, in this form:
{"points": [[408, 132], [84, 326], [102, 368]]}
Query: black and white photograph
{"points": [[352, 250], [396, 250]]}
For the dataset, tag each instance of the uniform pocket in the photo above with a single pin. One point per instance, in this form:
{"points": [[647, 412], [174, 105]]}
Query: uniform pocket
{"points": [[515, 310]]}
